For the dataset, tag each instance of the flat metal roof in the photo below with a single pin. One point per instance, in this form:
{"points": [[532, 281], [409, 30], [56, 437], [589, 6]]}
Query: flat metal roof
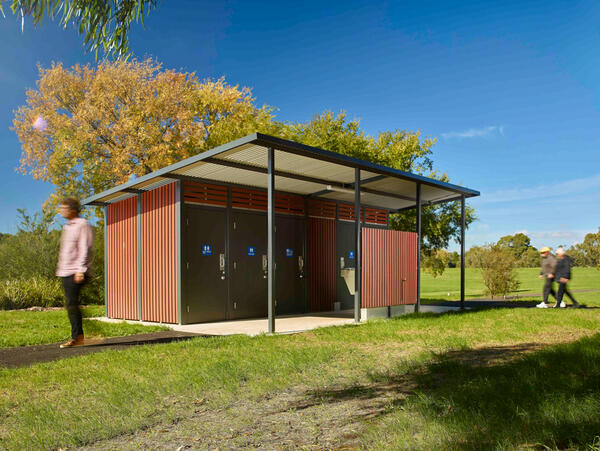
{"points": [[299, 169]]}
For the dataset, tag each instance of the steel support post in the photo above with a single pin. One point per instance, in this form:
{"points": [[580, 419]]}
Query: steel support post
{"points": [[418, 230], [462, 252], [271, 239], [357, 251]]}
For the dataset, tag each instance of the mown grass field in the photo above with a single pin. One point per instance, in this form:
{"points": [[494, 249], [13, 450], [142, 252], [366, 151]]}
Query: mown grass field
{"points": [[447, 286], [504, 379], [24, 328]]}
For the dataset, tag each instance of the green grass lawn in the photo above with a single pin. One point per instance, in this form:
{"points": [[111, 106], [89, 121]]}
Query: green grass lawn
{"points": [[441, 395], [438, 287], [24, 328]]}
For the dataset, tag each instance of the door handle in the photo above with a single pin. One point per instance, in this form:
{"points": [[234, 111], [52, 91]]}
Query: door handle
{"points": [[265, 263]]}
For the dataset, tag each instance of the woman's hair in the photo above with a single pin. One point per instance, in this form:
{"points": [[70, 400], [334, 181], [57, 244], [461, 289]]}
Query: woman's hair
{"points": [[72, 203]]}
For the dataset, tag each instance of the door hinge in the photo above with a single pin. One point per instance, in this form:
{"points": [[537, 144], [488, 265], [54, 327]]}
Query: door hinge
{"points": [[234, 265], [234, 225], [235, 305], [187, 265], [187, 221], [188, 308]]}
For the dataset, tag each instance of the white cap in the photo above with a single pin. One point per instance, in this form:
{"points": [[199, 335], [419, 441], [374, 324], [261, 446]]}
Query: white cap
{"points": [[560, 250]]}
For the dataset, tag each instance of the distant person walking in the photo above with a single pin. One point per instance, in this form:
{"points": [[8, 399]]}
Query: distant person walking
{"points": [[563, 276], [547, 273], [74, 261]]}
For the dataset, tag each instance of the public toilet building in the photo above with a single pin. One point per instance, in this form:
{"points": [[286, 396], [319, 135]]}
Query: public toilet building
{"points": [[261, 227]]}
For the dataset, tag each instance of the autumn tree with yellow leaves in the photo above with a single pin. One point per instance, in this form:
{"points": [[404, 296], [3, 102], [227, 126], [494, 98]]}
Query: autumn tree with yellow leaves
{"points": [[100, 125], [86, 129]]}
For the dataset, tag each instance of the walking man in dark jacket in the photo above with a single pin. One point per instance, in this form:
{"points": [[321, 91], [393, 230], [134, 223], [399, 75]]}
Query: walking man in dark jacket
{"points": [[562, 276], [547, 273]]}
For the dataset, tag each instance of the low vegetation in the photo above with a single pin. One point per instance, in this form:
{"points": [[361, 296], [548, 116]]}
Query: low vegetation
{"points": [[24, 328], [447, 286], [422, 381]]}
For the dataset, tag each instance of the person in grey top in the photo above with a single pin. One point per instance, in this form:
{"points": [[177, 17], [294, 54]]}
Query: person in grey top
{"points": [[547, 273]]}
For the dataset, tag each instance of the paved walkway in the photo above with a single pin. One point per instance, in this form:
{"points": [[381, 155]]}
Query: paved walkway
{"points": [[27, 355], [283, 324]]}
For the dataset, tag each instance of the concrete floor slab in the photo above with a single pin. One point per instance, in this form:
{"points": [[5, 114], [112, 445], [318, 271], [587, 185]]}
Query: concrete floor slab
{"points": [[252, 327]]}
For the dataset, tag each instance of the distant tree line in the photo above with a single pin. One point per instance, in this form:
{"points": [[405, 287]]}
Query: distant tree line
{"points": [[525, 255]]}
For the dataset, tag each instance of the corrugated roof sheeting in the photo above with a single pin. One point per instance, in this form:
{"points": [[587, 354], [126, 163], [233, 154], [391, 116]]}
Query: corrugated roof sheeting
{"points": [[298, 160], [254, 155], [369, 199]]}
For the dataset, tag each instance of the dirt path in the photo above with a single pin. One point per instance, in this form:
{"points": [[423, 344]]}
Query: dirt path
{"points": [[299, 418], [28, 355]]}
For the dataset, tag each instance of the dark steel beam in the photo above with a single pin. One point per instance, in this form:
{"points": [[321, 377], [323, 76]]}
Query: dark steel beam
{"points": [[357, 249], [289, 175], [386, 194], [418, 230], [304, 178], [462, 252], [370, 179], [428, 203], [271, 240]]}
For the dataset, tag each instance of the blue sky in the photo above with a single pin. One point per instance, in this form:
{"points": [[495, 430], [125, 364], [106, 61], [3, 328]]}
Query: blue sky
{"points": [[511, 92]]}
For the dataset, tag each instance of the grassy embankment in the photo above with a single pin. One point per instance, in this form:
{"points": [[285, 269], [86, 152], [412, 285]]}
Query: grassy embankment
{"points": [[24, 328], [438, 397], [437, 288]]}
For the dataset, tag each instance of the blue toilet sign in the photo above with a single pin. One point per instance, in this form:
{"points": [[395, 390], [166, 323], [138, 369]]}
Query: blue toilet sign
{"points": [[289, 252], [251, 251], [351, 255], [206, 249]]}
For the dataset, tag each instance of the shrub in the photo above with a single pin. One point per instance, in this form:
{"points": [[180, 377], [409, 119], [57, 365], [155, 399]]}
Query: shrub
{"points": [[498, 270], [30, 292]]}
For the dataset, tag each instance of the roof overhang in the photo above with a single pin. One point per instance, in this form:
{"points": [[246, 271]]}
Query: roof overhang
{"points": [[299, 169]]}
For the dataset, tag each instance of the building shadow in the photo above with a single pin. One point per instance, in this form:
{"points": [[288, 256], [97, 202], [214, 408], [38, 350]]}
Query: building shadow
{"points": [[494, 397]]}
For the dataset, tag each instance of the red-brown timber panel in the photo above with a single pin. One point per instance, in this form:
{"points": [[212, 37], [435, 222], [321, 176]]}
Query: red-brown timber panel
{"points": [[321, 209], [122, 259], [159, 254], [369, 215], [322, 280], [389, 268], [204, 193], [257, 200]]}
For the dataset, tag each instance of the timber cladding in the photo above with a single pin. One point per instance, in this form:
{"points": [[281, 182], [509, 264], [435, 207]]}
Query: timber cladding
{"points": [[389, 268], [122, 261], [159, 254]]}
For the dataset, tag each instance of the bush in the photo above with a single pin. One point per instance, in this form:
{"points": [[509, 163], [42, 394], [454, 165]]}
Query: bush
{"points": [[28, 264], [35, 291], [498, 270], [41, 292]]}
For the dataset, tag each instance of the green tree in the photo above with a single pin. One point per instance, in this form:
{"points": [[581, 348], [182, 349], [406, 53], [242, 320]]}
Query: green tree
{"points": [[103, 23], [31, 254], [498, 270], [400, 149], [530, 258], [517, 244], [587, 253], [473, 257]]}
